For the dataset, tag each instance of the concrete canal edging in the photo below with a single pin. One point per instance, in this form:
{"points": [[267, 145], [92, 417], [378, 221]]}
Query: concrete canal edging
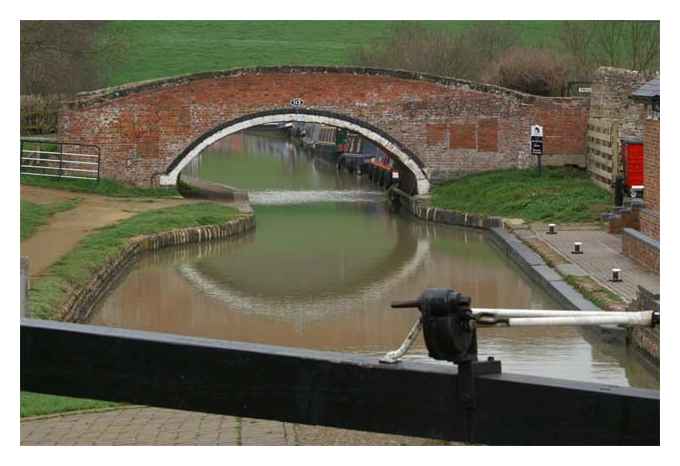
{"points": [[81, 301], [521, 254], [192, 187], [644, 340]]}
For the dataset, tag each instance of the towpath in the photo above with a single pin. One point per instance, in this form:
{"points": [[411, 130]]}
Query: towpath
{"points": [[65, 229]]}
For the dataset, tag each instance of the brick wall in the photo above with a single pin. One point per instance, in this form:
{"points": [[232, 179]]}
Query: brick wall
{"points": [[641, 249], [610, 100], [650, 216], [644, 338], [613, 117], [452, 126]]}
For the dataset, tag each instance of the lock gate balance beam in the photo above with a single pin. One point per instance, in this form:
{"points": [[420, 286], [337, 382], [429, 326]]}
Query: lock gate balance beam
{"points": [[327, 388]]}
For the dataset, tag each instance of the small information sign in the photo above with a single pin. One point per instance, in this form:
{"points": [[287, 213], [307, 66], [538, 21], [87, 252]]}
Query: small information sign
{"points": [[536, 144], [536, 147], [536, 140]]}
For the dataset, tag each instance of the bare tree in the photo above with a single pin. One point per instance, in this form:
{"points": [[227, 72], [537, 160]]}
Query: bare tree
{"points": [[465, 54], [577, 38], [623, 44], [643, 44], [609, 40], [535, 71], [63, 57]]}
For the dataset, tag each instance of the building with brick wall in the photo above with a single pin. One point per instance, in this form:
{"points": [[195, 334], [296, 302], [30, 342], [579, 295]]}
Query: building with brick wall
{"points": [[643, 246]]}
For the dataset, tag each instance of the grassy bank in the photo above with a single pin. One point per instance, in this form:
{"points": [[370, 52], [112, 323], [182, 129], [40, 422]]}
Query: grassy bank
{"points": [[76, 267], [158, 49], [33, 215], [105, 187], [37, 404], [561, 195]]}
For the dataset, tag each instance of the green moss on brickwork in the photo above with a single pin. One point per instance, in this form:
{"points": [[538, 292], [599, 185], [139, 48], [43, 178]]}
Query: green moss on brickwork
{"points": [[564, 195], [75, 268]]}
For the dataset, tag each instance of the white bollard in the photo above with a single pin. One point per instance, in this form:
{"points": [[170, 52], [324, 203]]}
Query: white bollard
{"points": [[616, 275], [578, 248], [551, 229]]}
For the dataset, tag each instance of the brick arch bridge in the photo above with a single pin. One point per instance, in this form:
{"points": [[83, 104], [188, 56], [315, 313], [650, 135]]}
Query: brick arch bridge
{"points": [[435, 128]]}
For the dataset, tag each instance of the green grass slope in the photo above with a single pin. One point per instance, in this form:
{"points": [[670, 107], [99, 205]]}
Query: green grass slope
{"points": [[563, 195], [157, 49]]}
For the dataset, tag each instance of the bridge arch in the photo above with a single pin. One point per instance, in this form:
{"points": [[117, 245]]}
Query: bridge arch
{"points": [[414, 165], [454, 126]]}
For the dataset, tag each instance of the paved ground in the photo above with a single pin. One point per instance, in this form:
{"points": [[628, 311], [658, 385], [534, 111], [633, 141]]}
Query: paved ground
{"points": [[601, 253], [154, 426]]}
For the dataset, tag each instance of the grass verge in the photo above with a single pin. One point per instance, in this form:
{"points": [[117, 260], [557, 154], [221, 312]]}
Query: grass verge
{"points": [[33, 215], [93, 251], [565, 195], [598, 295], [38, 404], [105, 187]]}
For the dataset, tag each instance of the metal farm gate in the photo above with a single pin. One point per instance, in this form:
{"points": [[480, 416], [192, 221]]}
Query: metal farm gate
{"points": [[60, 159]]}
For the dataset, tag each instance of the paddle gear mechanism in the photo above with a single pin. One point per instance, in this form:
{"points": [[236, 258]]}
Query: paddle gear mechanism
{"points": [[449, 327]]}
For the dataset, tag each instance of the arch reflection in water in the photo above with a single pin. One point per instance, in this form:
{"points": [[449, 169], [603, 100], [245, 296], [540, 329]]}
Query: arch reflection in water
{"points": [[323, 275]]}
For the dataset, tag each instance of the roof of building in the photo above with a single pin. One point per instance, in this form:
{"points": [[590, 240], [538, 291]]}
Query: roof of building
{"points": [[649, 90]]}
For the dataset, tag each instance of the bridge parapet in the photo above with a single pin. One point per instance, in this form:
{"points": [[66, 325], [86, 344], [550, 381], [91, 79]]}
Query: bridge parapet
{"points": [[438, 127]]}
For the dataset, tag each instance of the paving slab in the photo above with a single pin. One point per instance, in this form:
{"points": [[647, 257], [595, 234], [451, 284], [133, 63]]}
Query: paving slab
{"points": [[157, 426], [602, 251]]}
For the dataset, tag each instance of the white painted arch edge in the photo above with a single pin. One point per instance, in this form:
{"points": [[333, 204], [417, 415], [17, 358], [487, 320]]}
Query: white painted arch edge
{"points": [[423, 184]]}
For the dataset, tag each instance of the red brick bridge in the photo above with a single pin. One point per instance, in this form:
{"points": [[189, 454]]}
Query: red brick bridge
{"points": [[435, 128]]}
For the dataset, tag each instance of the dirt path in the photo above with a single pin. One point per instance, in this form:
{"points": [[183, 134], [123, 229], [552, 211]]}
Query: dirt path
{"points": [[65, 229]]}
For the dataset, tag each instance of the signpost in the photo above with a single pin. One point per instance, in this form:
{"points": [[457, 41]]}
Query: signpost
{"points": [[536, 145]]}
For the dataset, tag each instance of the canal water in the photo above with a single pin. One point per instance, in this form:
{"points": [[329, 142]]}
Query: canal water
{"points": [[323, 265]]}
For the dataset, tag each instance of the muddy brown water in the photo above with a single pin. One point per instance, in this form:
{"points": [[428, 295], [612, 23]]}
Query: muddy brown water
{"points": [[323, 265]]}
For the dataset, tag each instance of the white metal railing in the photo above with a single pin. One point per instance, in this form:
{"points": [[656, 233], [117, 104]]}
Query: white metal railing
{"points": [[40, 158]]}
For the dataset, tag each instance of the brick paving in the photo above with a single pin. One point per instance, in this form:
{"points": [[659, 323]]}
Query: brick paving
{"points": [[601, 253], [156, 426]]}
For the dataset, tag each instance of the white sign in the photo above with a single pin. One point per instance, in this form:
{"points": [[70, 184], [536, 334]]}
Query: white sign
{"points": [[536, 131], [297, 102], [395, 175], [585, 90]]}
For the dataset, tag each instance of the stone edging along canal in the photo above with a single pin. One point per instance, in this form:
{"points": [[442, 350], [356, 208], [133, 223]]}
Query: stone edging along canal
{"points": [[79, 304], [521, 254]]}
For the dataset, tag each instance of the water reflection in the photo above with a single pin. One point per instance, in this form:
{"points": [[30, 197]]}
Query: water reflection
{"points": [[322, 275]]}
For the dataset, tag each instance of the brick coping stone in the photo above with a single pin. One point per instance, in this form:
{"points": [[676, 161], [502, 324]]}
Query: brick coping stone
{"points": [[87, 98]]}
